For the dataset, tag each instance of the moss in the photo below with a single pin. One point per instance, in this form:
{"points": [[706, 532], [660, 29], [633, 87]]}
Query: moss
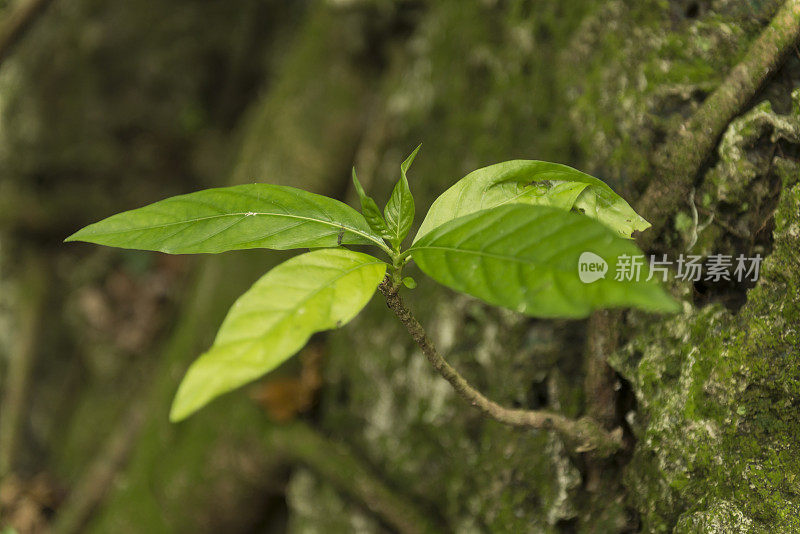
{"points": [[634, 70], [737, 197], [718, 426], [716, 449], [722, 517], [731, 181], [319, 508]]}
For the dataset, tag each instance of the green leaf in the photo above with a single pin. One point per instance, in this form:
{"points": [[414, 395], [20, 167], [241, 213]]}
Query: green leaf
{"points": [[370, 210], [316, 291], [610, 209], [399, 211], [233, 218], [526, 258], [537, 183]]}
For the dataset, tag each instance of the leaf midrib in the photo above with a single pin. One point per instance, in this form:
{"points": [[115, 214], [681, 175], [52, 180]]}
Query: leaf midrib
{"points": [[245, 215], [288, 312], [488, 255], [399, 216]]}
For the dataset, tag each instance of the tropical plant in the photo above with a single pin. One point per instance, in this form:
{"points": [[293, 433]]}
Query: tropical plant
{"points": [[510, 234]]}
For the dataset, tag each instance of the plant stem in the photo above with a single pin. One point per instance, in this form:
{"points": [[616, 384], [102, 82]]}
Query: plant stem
{"points": [[395, 273], [583, 434]]}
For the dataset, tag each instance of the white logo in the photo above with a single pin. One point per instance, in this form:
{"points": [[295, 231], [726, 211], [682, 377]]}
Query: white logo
{"points": [[627, 268], [591, 267]]}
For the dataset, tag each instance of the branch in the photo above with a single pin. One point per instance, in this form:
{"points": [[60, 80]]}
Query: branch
{"points": [[337, 465], [584, 434], [690, 145], [17, 22]]}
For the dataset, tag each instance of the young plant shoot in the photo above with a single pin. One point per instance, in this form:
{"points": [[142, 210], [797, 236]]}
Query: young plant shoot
{"points": [[511, 234]]}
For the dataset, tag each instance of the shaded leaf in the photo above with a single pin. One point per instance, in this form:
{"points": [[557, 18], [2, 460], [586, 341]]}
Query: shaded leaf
{"points": [[526, 258], [399, 211], [537, 183], [234, 218], [274, 319]]}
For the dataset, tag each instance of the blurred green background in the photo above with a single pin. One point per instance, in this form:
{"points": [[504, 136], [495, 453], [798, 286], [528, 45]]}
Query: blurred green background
{"points": [[106, 106]]}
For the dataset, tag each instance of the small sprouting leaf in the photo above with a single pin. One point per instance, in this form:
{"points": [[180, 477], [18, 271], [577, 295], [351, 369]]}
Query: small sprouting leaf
{"points": [[409, 282], [527, 258], [316, 291], [538, 183], [234, 218], [370, 210], [399, 211]]}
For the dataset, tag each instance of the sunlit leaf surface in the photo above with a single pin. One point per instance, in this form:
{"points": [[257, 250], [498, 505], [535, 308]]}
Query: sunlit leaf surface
{"points": [[316, 291]]}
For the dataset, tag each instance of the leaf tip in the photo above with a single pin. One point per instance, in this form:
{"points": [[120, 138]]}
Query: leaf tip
{"points": [[661, 301], [641, 224], [186, 401], [672, 305], [362, 194], [634, 228], [179, 411], [409, 160], [77, 236]]}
